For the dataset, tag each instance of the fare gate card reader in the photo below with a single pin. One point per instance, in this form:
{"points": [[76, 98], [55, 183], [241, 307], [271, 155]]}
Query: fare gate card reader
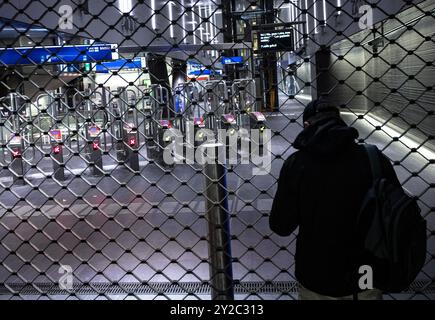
{"points": [[162, 140], [258, 116], [57, 154], [16, 145], [131, 145], [258, 122], [94, 150], [228, 122], [198, 122], [165, 124]]}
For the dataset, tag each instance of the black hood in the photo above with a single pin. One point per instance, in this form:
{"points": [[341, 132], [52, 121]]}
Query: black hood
{"points": [[327, 136]]}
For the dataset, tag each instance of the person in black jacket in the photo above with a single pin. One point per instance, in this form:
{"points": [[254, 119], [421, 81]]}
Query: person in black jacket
{"points": [[320, 190]]}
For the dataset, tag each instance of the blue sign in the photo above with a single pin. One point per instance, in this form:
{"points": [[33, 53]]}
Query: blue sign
{"points": [[57, 54], [119, 64], [204, 72], [232, 60]]}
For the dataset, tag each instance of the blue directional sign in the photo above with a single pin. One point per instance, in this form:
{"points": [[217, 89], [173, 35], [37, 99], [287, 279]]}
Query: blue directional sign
{"points": [[58, 54], [204, 72], [232, 60], [116, 65]]}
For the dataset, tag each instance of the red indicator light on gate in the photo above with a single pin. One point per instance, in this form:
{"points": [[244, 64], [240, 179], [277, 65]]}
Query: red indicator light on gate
{"points": [[16, 154], [95, 145], [57, 149], [132, 141]]}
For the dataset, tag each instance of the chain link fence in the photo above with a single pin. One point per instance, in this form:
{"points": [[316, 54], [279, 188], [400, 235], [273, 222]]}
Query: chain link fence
{"points": [[96, 94]]}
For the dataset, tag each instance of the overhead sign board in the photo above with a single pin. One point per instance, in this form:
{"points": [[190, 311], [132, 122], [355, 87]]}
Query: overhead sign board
{"points": [[232, 60], [280, 40], [58, 54], [120, 64], [205, 72], [198, 70]]}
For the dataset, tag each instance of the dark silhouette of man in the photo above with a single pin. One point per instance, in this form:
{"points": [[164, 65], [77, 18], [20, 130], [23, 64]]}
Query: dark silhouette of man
{"points": [[320, 190]]}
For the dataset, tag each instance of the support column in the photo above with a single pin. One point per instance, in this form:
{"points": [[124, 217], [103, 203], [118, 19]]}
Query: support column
{"points": [[270, 69], [159, 75], [228, 25], [322, 81]]}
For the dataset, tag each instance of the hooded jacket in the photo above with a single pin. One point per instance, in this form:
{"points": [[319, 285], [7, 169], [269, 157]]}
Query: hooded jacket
{"points": [[320, 190]]}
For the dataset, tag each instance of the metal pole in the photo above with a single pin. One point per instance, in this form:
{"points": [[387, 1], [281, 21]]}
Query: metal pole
{"points": [[219, 238], [15, 113]]}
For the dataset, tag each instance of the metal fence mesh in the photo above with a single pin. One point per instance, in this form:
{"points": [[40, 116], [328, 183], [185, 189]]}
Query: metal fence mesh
{"points": [[88, 207]]}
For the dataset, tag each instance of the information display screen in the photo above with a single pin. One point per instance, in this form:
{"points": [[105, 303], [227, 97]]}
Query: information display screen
{"points": [[281, 40]]}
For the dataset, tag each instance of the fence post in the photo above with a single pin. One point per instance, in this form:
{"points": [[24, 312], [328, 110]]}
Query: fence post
{"points": [[219, 237]]}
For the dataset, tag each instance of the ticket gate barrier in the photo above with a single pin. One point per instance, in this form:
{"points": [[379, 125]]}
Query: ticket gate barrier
{"points": [[95, 156], [155, 125], [186, 99], [216, 104], [258, 121], [163, 126], [229, 123], [16, 146], [162, 139], [243, 100], [131, 146], [117, 131], [57, 154], [197, 123]]}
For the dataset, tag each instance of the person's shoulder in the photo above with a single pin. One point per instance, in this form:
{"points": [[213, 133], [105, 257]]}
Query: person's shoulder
{"points": [[293, 158]]}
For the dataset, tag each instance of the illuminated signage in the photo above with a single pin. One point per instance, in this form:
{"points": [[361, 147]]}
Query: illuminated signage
{"points": [[56, 135], [132, 142], [281, 40], [120, 64], [232, 60], [58, 54]]}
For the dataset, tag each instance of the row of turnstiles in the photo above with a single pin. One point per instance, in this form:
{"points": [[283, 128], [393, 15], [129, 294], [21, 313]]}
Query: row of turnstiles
{"points": [[98, 122]]}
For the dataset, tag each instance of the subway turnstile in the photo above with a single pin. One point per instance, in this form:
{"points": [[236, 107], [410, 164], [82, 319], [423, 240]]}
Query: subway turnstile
{"points": [[16, 146], [57, 154], [95, 156], [131, 145]]}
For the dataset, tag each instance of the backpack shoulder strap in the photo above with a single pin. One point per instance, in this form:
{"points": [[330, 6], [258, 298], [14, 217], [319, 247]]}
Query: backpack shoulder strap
{"points": [[375, 161]]}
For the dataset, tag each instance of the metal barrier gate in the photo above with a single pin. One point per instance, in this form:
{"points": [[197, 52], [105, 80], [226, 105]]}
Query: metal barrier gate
{"points": [[89, 206]]}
